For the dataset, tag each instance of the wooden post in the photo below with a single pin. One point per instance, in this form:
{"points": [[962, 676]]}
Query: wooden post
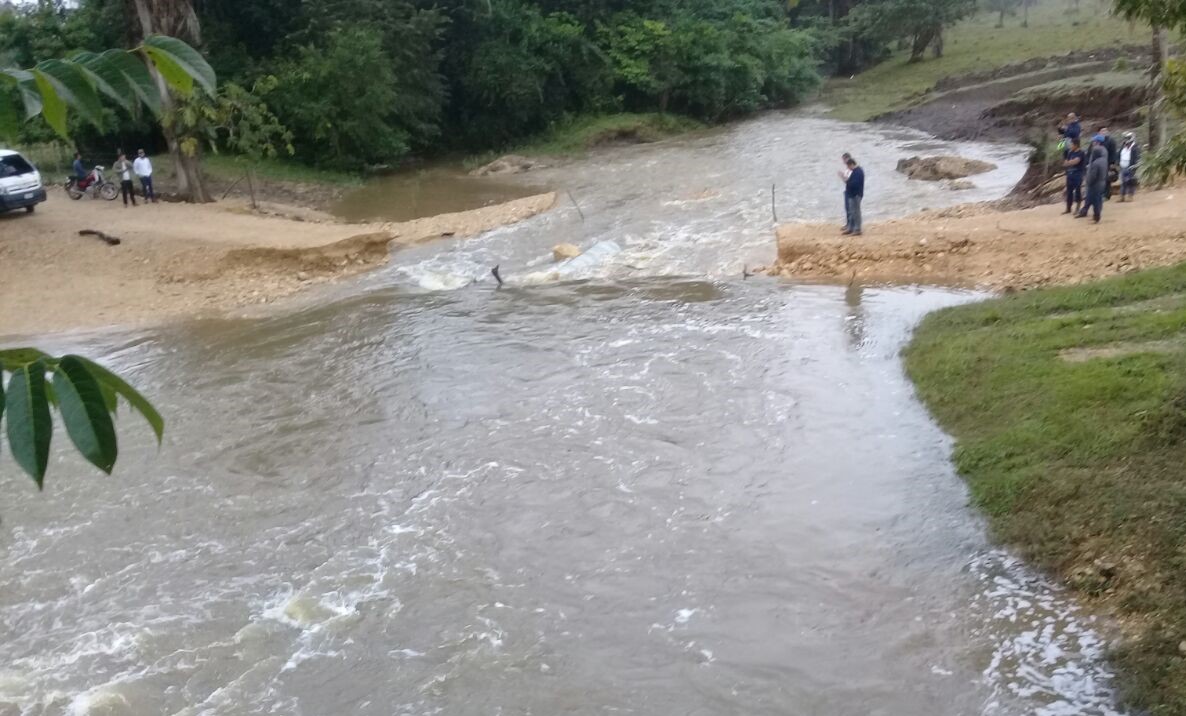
{"points": [[251, 186]]}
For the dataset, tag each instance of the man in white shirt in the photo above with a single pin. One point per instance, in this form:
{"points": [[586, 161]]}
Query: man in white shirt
{"points": [[1130, 159], [143, 168]]}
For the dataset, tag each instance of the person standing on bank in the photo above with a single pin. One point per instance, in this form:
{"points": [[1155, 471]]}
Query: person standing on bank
{"points": [[844, 175], [1070, 129], [1097, 179], [1109, 146], [124, 169], [1075, 162], [854, 192], [1130, 159], [143, 168]]}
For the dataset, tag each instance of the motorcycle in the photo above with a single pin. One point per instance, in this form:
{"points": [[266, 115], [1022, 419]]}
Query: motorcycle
{"points": [[94, 184]]}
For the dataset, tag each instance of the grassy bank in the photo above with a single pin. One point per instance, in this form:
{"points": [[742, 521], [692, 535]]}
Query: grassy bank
{"points": [[228, 168], [1068, 407], [977, 45]]}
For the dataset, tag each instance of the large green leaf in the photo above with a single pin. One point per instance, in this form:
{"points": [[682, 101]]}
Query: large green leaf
{"points": [[73, 87], [53, 105], [110, 83], [10, 119], [21, 84], [31, 97], [84, 413], [180, 64], [13, 358], [119, 385], [29, 425], [127, 72]]}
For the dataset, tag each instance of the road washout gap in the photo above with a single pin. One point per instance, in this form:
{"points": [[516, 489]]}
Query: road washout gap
{"points": [[184, 260]]}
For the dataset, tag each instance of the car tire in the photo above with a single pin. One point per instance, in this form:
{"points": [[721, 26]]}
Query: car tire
{"points": [[29, 209]]}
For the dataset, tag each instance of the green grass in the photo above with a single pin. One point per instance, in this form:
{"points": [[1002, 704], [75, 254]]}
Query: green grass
{"points": [[976, 45], [1080, 466], [1078, 85], [230, 167], [51, 158], [580, 134]]}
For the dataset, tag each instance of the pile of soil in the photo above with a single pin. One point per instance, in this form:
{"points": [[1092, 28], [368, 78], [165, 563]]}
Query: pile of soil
{"points": [[942, 168], [978, 245]]}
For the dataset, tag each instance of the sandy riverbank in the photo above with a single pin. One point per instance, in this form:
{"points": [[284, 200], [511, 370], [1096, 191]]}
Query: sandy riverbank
{"points": [[980, 246], [182, 260]]}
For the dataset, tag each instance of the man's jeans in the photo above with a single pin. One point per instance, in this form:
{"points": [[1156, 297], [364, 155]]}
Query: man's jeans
{"points": [[146, 185], [852, 207]]}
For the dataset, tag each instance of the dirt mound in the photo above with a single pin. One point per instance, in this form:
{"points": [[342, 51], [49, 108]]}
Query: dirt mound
{"points": [[940, 168], [977, 245]]}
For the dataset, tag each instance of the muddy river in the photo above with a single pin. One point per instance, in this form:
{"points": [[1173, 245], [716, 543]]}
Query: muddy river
{"points": [[644, 485]]}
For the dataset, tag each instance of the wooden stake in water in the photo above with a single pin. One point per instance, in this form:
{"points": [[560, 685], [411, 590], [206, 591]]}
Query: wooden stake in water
{"points": [[773, 210], [574, 203]]}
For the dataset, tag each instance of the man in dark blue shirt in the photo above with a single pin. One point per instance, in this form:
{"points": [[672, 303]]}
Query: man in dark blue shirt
{"points": [[1075, 161], [79, 171], [854, 191]]}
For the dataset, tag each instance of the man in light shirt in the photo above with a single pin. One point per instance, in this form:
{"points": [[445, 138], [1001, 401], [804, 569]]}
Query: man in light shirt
{"points": [[123, 169], [1130, 160], [143, 168]]}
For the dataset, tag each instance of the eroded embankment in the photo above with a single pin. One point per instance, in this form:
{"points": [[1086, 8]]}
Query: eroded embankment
{"points": [[178, 260], [978, 245]]}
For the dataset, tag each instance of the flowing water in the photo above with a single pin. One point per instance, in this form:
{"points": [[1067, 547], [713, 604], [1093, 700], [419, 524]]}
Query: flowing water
{"points": [[661, 489]]}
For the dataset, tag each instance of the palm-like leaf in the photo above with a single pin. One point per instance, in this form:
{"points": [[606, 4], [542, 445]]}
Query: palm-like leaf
{"points": [[54, 87]]}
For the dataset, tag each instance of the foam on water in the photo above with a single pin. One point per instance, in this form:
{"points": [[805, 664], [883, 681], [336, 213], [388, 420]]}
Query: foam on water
{"points": [[1046, 650]]}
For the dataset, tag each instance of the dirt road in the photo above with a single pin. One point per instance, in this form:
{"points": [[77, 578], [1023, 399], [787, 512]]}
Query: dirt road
{"points": [[976, 245], [178, 260]]}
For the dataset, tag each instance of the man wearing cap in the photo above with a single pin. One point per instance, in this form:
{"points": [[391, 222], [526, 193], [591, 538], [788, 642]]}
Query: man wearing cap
{"points": [[1130, 158]]}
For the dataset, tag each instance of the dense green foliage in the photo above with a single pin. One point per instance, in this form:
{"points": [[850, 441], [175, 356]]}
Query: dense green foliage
{"points": [[86, 396], [367, 82], [1068, 407], [1166, 14]]}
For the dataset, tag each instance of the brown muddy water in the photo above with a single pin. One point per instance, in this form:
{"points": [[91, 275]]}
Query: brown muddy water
{"points": [[658, 489], [427, 192]]}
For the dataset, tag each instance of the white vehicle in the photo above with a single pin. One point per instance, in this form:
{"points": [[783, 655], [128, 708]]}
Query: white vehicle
{"points": [[20, 183]]}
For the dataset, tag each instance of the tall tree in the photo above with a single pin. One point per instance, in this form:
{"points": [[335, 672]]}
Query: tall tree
{"points": [[175, 18], [1162, 15]]}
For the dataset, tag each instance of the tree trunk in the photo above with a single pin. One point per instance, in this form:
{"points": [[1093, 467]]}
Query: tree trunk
{"points": [[1001, 18], [918, 47], [1157, 128], [1025, 13], [175, 18], [937, 44]]}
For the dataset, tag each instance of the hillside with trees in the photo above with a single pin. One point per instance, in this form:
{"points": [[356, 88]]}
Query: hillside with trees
{"points": [[363, 83]]}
